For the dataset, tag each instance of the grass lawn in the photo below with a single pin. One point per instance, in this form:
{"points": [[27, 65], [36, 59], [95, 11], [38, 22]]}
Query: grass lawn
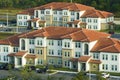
{"points": [[5, 35], [10, 11]]}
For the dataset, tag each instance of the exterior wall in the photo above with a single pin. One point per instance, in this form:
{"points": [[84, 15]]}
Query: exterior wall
{"points": [[111, 62], [22, 19], [94, 67]]}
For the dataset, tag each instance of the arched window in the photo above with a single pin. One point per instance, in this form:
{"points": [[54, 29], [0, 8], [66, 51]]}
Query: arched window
{"points": [[23, 44], [86, 51]]}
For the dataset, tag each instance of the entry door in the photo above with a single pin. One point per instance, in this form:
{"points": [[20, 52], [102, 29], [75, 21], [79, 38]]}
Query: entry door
{"points": [[83, 66]]}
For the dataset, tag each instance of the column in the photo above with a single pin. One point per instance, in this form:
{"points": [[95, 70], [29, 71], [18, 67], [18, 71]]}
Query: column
{"points": [[70, 65]]}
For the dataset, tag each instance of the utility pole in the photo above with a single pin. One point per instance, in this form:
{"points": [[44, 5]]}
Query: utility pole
{"points": [[7, 19]]}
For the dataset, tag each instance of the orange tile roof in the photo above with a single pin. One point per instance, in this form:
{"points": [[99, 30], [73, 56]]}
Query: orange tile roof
{"points": [[74, 22], [31, 56], [34, 19], [107, 45], [29, 11], [95, 61], [74, 59], [96, 13], [66, 33], [12, 40], [65, 5], [84, 58], [11, 54], [21, 53]]}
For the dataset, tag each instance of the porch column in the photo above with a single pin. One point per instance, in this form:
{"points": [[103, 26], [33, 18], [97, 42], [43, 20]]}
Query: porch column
{"points": [[79, 66], [70, 65], [15, 59], [35, 62]]}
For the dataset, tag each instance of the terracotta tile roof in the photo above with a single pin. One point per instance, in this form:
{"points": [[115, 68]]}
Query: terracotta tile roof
{"points": [[74, 22], [66, 33], [84, 58], [65, 5], [96, 14], [74, 59], [12, 40], [86, 35], [31, 56], [34, 19], [21, 53], [11, 54], [42, 21], [107, 45], [95, 61]]}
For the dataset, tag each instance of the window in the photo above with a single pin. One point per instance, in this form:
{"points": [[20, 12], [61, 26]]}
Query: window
{"points": [[105, 66], [25, 17], [66, 63], [59, 43], [55, 18], [39, 51], [36, 13], [5, 49], [77, 54], [66, 53], [51, 42], [95, 20], [77, 44], [105, 57], [23, 44], [96, 56], [42, 18], [60, 52], [77, 16], [42, 11], [114, 67], [47, 12], [114, 57], [39, 42], [67, 44], [60, 12], [31, 41], [51, 52], [15, 49], [72, 13], [59, 61], [51, 61], [55, 12], [95, 26], [40, 61], [31, 50], [65, 13]]}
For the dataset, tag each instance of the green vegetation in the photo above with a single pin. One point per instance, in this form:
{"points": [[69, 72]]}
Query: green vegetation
{"points": [[107, 5], [5, 35]]}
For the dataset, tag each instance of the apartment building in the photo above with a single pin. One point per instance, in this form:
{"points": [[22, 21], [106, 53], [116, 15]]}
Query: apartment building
{"points": [[74, 48], [65, 14]]}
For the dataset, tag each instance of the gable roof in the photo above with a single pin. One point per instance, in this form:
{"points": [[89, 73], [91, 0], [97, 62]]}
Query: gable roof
{"points": [[107, 45], [96, 14], [65, 5], [21, 53], [76, 34], [12, 40], [84, 58]]}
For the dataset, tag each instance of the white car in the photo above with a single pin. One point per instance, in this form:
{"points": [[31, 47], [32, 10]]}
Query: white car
{"points": [[105, 75]]}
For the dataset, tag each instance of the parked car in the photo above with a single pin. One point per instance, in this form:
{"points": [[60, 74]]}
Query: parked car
{"points": [[105, 75]]}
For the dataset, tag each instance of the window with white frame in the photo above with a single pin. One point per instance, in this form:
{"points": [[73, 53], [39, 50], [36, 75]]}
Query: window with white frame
{"points": [[47, 12], [66, 63], [51, 52], [114, 57], [40, 51], [40, 61], [60, 52], [67, 54], [67, 44], [59, 61], [31, 41], [55, 18], [105, 57], [60, 19], [15, 49], [25, 17], [72, 13], [77, 44], [95, 26], [95, 20], [65, 13], [5, 49], [60, 12], [77, 54], [42, 11], [5, 58], [31, 50], [105, 66], [95, 55], [51, 61], [51, 42], [59, 43], [114, 67], [39, 42], [55, 12], [20, 17], [42, 18]]}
